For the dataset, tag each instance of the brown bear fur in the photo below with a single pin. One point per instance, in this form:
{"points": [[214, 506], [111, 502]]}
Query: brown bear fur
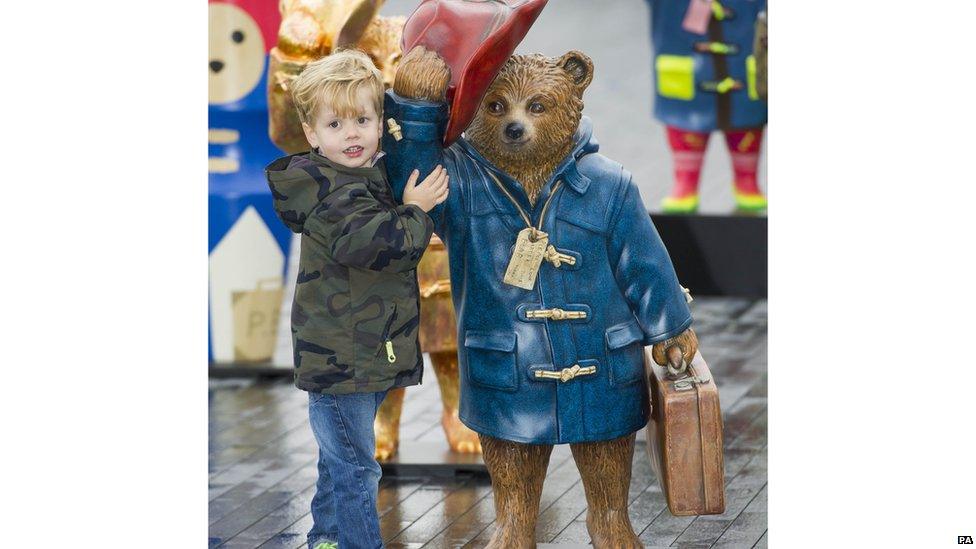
{"points": [[526, 81], [517, 470], [556, 85]]}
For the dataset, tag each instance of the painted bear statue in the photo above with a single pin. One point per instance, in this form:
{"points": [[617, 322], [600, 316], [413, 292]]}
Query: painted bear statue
{"points": [[559, 279]]}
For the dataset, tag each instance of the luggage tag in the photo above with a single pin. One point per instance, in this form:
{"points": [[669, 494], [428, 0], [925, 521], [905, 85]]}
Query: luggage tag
{"points": [[523, 267], [697, 17]]}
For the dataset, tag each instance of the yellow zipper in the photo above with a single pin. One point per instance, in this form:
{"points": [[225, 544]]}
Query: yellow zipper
{"points": [[389, 352]]}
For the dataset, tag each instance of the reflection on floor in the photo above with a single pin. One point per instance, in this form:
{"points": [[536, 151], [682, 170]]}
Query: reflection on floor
{"points": [[262, 462]]}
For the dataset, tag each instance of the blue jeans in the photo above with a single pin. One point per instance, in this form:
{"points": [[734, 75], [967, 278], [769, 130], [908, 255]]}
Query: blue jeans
{"points": [[348, 472]]}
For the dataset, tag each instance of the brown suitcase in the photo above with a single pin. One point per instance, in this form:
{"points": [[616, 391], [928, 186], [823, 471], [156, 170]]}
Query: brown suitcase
{"points": [[684, 438]]}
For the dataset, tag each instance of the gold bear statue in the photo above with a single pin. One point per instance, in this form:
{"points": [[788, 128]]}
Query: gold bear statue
{"points": [[311, 29]]}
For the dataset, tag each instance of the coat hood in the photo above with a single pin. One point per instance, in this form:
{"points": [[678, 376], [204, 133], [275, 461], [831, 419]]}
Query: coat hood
{"points": [[301, 181]]}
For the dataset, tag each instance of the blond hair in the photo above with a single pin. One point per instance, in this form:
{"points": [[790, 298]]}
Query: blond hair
{"points": [[336, 80]]}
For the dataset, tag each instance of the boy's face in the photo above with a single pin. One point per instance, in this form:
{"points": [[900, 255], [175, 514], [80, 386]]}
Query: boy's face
{"points": [[349, 142]]}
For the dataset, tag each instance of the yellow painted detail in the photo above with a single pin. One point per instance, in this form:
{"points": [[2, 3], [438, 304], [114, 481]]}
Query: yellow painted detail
{"points": [[725, 85], [223, 164], [676, 76], [693, 139], [719, 48], [221, 136], [718, 11], [685, 204], [751, 77], [746, 142], [750, 202]]}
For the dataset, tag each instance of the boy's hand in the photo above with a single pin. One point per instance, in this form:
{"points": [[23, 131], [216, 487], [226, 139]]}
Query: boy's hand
{"points": [[431, 191]]}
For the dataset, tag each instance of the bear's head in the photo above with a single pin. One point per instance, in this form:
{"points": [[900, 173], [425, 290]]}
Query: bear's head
{"points": [[236, 56], [526, 122]]}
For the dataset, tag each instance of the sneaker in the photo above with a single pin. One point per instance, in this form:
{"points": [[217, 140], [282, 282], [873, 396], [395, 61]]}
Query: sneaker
{"points": [[750, 202], [683, 205]]}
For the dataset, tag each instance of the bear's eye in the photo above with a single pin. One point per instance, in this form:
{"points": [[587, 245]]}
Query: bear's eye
{"points": [[496, 107], [536, 108], [237, 36]]}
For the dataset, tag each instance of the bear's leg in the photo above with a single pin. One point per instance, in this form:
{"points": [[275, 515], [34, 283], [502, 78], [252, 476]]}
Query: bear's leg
{"points": [[517, 471], [605, 469], [459, 436], [386, 426]]}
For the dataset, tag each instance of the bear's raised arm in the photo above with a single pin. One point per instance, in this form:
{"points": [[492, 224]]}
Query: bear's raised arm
{"points": [[413, 132], [415, 115]]}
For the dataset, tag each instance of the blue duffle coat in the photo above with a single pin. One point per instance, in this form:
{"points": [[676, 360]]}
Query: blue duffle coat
{"points": [[685, 79], [622, 279]]}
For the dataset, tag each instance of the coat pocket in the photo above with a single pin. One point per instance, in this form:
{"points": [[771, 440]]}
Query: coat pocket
{"points": [[492, 359], [625, 353], [675, 76]]}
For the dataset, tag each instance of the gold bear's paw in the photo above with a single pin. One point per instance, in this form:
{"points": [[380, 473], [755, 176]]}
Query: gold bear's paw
{"points": [[386, 447], [460, 438]]}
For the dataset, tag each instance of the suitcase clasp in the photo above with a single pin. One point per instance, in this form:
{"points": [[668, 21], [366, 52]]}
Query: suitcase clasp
{"points": [[687, 382]]}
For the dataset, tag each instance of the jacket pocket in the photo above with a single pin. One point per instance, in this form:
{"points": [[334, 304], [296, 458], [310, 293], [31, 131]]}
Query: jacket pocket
{"points": [[492, 359], [625, 353], [675, 76]]}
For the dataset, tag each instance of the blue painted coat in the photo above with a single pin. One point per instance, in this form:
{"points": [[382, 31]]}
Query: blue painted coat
{"points": [[623, 279], [703, 111]]}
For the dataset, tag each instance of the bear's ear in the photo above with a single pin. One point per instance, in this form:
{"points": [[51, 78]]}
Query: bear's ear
{"points": [[580, 68], [361, 14]]}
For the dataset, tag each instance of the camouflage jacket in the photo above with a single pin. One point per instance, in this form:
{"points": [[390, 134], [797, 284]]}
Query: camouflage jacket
{"points": [[356, 311]]}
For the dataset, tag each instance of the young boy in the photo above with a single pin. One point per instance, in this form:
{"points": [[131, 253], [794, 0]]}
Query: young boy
{"points": [[356, 310]]}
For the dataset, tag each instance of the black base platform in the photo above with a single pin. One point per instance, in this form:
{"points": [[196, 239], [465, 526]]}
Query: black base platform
{"points": [[432, 459], [226, 370], [722, 255]]}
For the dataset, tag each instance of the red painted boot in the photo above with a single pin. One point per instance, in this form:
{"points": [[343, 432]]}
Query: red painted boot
{"points": [[744, 148], [688, 151]]}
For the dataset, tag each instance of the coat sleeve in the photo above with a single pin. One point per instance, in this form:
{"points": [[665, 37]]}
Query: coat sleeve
{"points": [[420, 146], [643, 269], [361, 232]]}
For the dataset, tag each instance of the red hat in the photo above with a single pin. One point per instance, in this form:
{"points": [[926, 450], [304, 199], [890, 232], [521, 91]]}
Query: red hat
{"points": [[475, 38]]}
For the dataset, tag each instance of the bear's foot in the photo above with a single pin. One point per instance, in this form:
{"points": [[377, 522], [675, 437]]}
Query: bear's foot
{"points": [[612, 530], [386, 426], [461, 439], [511, 536], [387, 444]]}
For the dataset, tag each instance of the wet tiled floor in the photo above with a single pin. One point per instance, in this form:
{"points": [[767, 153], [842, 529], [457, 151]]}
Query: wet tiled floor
{"points": [[262, 462]]}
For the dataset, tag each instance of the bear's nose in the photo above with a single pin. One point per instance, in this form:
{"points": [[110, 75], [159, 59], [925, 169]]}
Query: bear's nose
{"points": [[216, 65], [514, 130]]}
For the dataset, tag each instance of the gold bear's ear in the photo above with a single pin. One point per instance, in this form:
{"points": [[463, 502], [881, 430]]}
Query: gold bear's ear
{"points": [[580, 68], [357, 17]]}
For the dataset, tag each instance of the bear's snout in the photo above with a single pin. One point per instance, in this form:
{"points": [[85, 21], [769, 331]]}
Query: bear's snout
{"points": [[514, 131], [216, 65]]}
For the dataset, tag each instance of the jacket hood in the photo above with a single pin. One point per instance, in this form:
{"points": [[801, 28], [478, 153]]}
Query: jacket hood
{"points": [[300, 182], [583, 140]]}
